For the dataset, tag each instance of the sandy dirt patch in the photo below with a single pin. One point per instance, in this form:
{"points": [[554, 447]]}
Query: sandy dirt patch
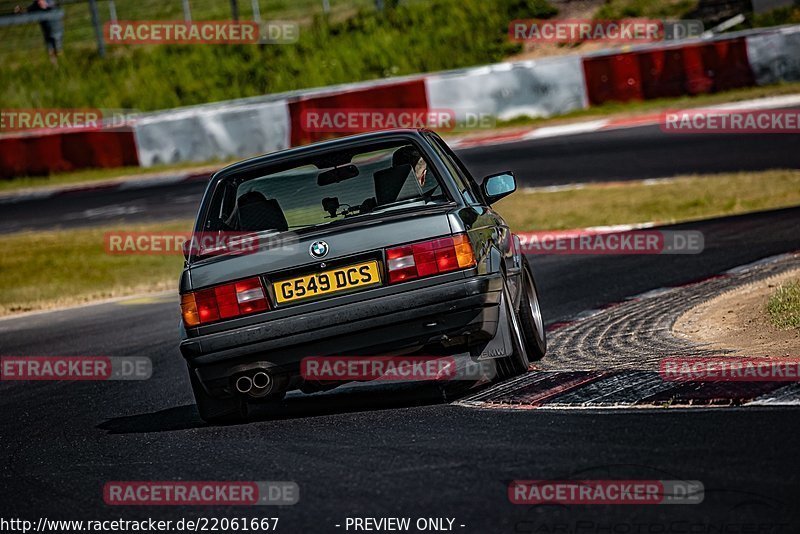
{"points": [[567, 9], [738, 320]]}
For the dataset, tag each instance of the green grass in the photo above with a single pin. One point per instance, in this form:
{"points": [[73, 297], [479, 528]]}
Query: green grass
{"points": [[413, 38], [42, 270], [776, 17], [656, 9], [783, 306], [682, 199]]}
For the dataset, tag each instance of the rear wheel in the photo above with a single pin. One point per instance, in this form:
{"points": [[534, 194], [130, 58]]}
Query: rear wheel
{"points": [[517, 362], [530, 316], [213, 410]]}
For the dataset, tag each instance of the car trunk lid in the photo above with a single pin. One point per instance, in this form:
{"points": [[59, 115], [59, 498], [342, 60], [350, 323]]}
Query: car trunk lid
{"points": [[284, 255]]}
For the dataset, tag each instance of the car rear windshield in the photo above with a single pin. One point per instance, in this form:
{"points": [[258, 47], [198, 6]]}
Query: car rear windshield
{"points": [[325, 188]]}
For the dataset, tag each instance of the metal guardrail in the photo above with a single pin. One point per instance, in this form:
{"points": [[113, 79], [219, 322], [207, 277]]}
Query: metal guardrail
{"points": [[31, 18]]}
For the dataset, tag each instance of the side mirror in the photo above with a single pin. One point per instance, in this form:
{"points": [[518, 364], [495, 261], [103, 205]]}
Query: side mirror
{"points": [[497, 186]]}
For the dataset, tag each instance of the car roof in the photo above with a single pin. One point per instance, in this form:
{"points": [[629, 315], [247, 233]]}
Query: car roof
{"points": [[340, 142]]}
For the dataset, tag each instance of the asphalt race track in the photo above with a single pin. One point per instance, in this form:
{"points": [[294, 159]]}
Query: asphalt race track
{"points": [[633, 154], [625, 154], [383, 452], [408, 452]]}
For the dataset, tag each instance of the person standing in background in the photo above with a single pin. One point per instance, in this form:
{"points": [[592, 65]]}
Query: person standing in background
{"points": [[52, 30]]}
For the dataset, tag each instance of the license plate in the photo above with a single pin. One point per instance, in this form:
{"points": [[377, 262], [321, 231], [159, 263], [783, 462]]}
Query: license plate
{"points": [[325, 282]]}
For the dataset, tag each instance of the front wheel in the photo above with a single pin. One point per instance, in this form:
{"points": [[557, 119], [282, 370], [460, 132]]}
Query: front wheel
{"points": [[530, 316]]}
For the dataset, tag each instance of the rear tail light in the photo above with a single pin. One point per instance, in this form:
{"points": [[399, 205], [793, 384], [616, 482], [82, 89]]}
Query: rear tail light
{"points": [[224, 302], [428, 258]]}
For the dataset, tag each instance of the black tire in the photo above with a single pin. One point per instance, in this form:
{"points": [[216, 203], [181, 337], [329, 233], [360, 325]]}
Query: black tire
{"points": [[212, 410], [530, 316], [517, 363]]}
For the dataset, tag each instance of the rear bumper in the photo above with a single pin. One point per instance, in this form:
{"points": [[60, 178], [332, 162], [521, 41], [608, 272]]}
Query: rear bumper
{"points": [[378, 326]]}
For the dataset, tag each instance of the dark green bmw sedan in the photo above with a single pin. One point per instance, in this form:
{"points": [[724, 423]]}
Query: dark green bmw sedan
{"points": [[373, 245]]}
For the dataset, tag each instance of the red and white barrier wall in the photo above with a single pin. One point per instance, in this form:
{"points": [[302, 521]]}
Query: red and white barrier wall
{"points": [[665, 72], [775, 56], [42, 153], [209, 133], [409, 94], [539, 88]]}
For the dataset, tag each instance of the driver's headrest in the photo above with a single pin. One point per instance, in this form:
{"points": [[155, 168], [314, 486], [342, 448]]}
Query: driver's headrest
{"points": [[395, 184], [406, 155], [258, 213]]}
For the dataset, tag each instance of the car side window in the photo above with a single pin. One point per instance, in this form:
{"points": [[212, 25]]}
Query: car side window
{"points": [[466, 184]]}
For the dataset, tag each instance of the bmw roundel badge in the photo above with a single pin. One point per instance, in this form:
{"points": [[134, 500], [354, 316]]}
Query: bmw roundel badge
{"points": [[318, 249]]}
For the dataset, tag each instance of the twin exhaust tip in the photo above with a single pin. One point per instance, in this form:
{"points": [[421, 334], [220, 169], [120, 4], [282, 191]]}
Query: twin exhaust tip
{"points": [[258, 384]]}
